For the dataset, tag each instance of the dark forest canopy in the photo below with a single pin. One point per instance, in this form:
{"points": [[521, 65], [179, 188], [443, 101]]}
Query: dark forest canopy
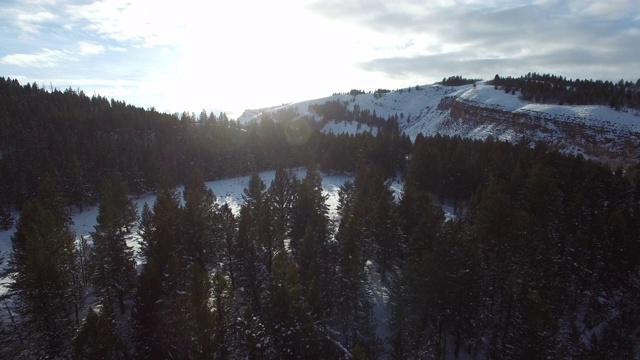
{"points": [[539, 261], [548, 88], [80, 140]]}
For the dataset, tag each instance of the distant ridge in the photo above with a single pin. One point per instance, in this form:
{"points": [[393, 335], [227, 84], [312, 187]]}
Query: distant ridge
{"points": [[480, 111]]}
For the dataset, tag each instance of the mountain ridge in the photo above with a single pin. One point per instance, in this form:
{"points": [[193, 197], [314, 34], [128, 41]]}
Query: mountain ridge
{"points": [[481, 111]]}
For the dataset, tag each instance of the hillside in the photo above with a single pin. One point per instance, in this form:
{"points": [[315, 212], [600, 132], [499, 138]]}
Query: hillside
{"points": [[477, 112]]}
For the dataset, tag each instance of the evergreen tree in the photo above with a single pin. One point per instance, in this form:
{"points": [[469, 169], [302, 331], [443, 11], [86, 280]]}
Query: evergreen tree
{"points": [[225, 337], [113, 264], [125, 207], [309, 210], [282, 197], [310, 243], [200, 316], [159, 314], [199, 222], [98, 337], [78, 189], [230, 251], [254, 194], [45, 285], [146, 315], [267, 242], [160, 229], [248, 270], [290, 325], [6, 219]]}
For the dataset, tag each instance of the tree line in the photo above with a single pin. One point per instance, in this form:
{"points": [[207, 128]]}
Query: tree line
{"points": [[553, 89], [78, 140], [336, 110], [457, 80]]}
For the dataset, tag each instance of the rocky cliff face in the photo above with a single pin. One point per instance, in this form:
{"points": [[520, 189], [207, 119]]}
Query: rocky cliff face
{"points": [[604, 141]]}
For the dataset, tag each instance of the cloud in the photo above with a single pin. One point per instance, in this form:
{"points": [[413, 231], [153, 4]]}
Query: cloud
{"points": [[482, 38], [87, 48], [608, 10], [31, 22], [573, 63], [143, 22], [44, 59], [48, 58]]}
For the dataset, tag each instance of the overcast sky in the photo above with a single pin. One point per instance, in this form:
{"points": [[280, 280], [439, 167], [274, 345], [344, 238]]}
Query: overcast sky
{"points": [[233, 55]]}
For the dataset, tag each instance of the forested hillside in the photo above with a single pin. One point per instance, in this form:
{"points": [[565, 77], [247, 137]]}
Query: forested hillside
{"points": [[548, 88], [79, 140], [540, 260]]}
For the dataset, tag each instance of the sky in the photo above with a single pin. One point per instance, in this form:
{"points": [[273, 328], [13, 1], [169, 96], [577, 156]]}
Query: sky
{"points": [[190, 55]]}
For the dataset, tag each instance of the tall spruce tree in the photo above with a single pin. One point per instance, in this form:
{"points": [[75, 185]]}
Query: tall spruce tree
{"points": [[159, 319], [114, 272], [289, 323], [282, 195], [127, 214], [201, 241], [45, 281], [310, 245], [98, 337], [200, 316]]}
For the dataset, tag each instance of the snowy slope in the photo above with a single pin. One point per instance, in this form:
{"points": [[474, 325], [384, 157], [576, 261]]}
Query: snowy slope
{"points": [[598, 132]]}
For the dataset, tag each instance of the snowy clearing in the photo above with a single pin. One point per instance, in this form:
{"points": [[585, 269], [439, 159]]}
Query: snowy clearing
{"points": [[227, 191]]}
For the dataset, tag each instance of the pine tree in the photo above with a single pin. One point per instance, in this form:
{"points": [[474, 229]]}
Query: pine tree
{"points": [[6, 219], [159, 314], [98, 337], [125, 207], [45, 283], [309, 210], [287, 315], [357, 238], [228, 232], [254, 194], [199, 222], [267, 242], [200, 316], [160, 229], [78, 189], [248, 270], [225, 337], [49, 194], [282, 197], [310, 243], [146, 315], [113, 264]]}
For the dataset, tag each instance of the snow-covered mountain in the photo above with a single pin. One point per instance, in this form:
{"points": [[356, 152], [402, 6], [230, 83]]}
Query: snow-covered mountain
{"points": [[597, 132]]}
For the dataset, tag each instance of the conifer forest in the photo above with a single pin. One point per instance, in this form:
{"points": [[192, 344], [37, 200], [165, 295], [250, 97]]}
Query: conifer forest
{"points": [[539, 261]]}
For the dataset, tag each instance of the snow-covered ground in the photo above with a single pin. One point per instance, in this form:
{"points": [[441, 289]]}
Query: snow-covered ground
{"points": [[227, 190], [347, 127], [417, 103]]}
